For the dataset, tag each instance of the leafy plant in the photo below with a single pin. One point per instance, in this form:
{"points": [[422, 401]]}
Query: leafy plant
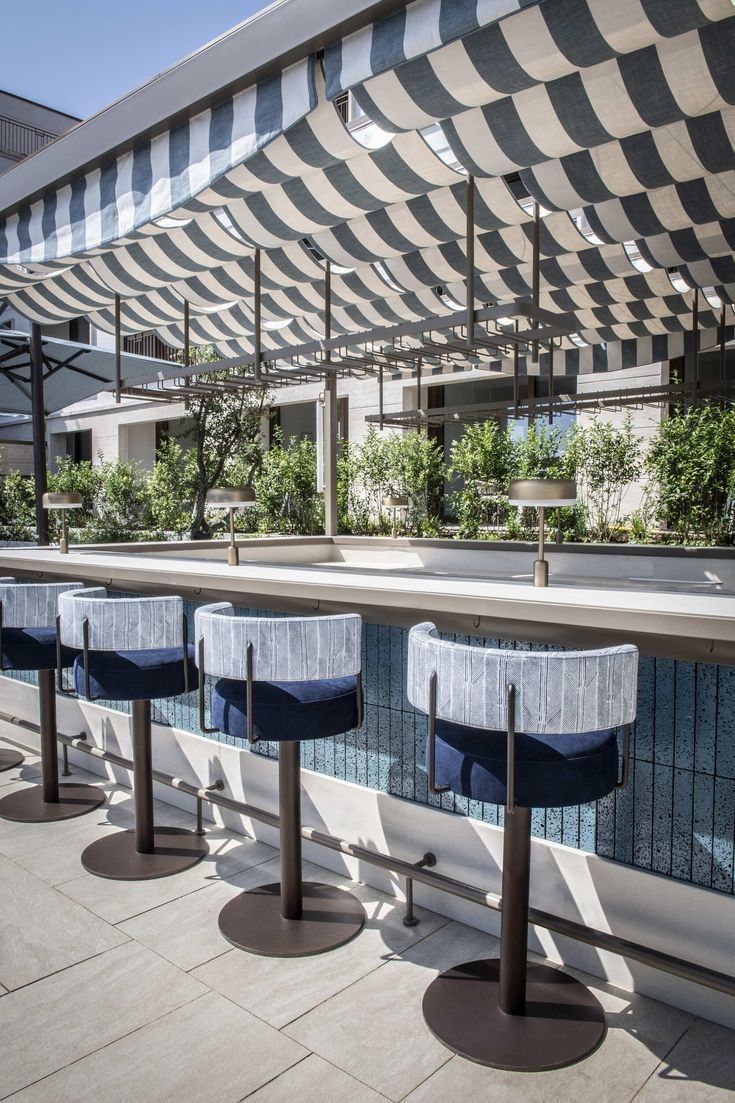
{"points": [[17, 507], [607, 460], [285, 488], [224, 425], [483, 458], [692, 465], [170, 488], [543, 454]]}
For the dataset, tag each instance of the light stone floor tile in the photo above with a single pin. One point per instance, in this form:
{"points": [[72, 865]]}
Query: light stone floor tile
{"points": [[185, 931], [207, 1050], [49, 1025], [117, 901], [52, 851], [28, 769], [699, 1069], [374, 1030], [315, 1081], [640, 1032], [43, 931], [280, 990]]}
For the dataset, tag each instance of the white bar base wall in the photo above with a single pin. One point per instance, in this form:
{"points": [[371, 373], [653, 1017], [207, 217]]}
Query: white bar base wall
{"points": [[671, 916]]}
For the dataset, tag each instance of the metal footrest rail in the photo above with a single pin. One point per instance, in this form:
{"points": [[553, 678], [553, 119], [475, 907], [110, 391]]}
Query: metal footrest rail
{"points": [[420, 871]]}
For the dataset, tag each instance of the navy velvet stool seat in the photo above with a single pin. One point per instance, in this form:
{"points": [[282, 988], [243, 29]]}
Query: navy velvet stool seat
{"points": [[284, 680], [524, 729], [28, 641], [133, 649]]}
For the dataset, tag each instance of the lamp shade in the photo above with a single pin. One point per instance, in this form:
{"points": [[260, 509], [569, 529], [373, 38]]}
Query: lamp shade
{"points": [[395, 503], [542, 492], [70, 499], [231, 497]]}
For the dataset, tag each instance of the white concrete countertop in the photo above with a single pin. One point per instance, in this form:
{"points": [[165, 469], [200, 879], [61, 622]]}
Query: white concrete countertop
{"points": [[680, 606]]}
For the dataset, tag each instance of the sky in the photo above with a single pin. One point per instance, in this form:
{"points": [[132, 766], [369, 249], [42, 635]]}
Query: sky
{"points": [[80, 55]]}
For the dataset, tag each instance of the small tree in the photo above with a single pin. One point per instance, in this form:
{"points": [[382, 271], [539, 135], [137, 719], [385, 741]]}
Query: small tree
{"points": [[607, 460], [17, 507], [543, 454], [224, 425], [414, 469], [692, 464], [170, 488], [483, 459]]}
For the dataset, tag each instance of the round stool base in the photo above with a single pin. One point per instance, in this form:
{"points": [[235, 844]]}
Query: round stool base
{"points": [[9, 759], [253, 921], [117, 858], [563, 1022], [28, 805]]}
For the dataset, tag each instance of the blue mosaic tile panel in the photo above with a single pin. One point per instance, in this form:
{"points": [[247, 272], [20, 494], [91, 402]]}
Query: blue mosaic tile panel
{"points": [[676, 817]]}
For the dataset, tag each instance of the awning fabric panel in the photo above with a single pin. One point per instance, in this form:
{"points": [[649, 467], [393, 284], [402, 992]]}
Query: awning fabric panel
{"points": [[617, 116]]}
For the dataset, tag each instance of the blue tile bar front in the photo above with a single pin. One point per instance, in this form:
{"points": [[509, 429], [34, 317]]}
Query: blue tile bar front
{"points": [[674, 818]]}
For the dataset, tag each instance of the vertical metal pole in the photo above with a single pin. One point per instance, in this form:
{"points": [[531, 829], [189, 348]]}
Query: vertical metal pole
{"points": [[551, 382], [187, 346], [470, 261], [256, 319], [39, 431], [722, 344], [535, 277], [516, 381], [118, 350], [514, 910], [695, 338], [143, 777], [289, 808], [418, 384], [49, 749], [380, 395], [330, 417]]}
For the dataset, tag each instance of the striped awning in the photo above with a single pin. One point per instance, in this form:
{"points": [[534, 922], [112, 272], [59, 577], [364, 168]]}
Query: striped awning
{"points": [[616, 116]]}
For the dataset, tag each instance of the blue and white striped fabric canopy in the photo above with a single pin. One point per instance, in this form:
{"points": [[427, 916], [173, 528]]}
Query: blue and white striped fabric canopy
{"points": [[616, 116]]}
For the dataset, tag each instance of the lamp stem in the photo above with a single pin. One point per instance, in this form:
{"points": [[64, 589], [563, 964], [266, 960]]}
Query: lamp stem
{"points": [[64, 543], [233, 557], [541, 567]]}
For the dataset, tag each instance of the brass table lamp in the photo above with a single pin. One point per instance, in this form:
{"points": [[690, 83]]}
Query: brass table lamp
{"points": [[62, 501], [542, 494], [231, 498]]}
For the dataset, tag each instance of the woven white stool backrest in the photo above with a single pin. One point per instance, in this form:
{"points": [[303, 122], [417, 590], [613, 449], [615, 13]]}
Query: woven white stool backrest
{"points": [[285, 649], [120, 623], [31, 604], [557, 692]]}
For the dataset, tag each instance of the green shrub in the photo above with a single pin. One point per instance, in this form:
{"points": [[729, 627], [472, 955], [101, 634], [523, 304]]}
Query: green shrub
{"points": [[170, 489], [397, 465], [17, 507], [692, 465], [483, 458], [544, 454], [285, 487], [607, 461]]}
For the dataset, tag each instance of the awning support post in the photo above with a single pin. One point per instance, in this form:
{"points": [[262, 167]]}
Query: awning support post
{"points": [[470, 261], [380, 396], [118, 351], [551, 382], [256, 319], [38, 415], [187, 346], [330, 417], [535, 277]]}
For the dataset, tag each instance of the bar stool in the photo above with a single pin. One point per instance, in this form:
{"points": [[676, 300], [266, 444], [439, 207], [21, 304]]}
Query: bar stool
{"points": [[133, 649], [28, 642], [284, 680], [524, 729]]}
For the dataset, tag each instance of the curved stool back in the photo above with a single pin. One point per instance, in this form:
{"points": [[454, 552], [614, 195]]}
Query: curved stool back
{"points": [[524, 729], [133, 649], [28, 641], [284, 679]]}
